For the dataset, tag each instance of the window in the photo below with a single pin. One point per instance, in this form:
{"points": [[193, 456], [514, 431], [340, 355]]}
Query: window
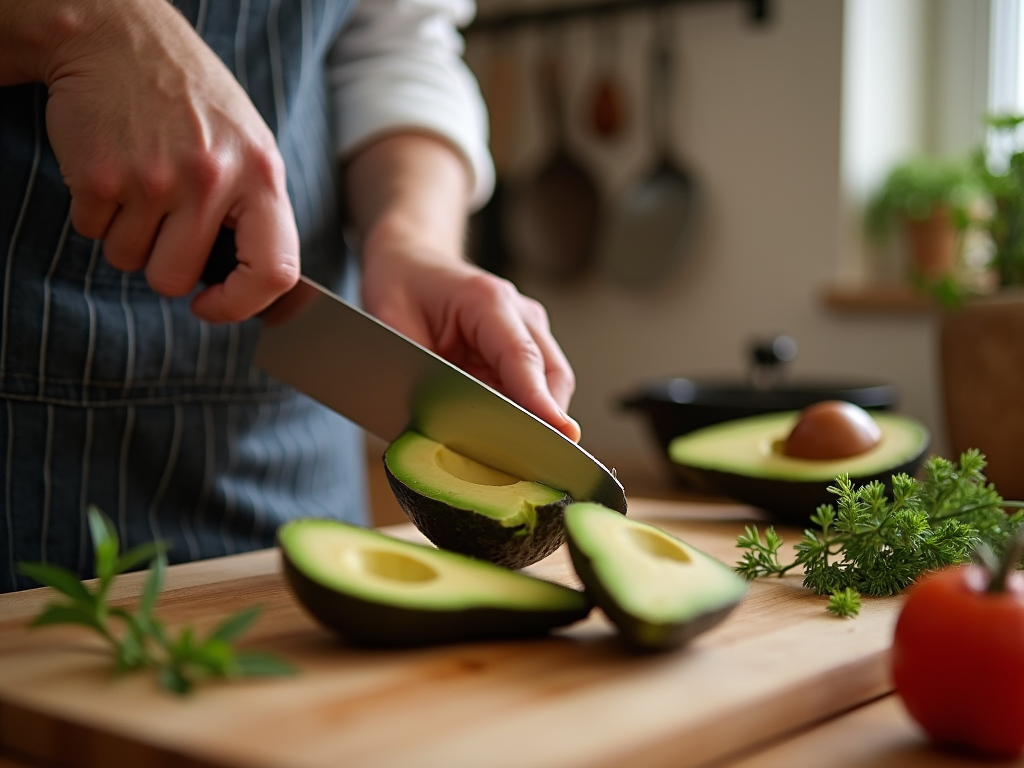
{"points": [[1006, 81]]}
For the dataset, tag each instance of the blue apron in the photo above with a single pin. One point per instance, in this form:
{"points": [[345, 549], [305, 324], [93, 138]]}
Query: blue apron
{"points": [[113, 396]]}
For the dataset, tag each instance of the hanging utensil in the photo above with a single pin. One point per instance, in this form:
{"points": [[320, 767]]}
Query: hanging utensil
{"points": [[650, 229], [487, 243], [552, 219], [607, 117]]}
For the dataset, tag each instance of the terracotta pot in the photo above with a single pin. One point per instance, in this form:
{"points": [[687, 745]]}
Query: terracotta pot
{"points": [[982, 361], [934, 243]]}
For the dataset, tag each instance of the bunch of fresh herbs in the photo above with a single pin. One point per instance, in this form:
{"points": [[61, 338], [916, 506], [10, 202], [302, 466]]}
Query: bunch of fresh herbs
{"points": [[869, 544], [139, 640]]}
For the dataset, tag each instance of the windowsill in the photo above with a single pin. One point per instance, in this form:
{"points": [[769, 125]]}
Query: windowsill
{"points": [[876, 298]]}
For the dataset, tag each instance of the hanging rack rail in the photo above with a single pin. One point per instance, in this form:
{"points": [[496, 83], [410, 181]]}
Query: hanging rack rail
{"points": [[499, 20]]}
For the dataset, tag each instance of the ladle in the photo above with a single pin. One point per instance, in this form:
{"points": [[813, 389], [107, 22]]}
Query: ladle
{"points": [[553, 217], [650, 229]]}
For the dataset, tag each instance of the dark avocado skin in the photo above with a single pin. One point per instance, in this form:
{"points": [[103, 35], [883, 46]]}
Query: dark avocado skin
{"points": [[376, 625], [639, 635], [788, 501], [466, 532]]}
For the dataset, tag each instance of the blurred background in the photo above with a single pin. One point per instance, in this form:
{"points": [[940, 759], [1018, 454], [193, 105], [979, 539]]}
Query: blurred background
{"points": [[751, 135]]}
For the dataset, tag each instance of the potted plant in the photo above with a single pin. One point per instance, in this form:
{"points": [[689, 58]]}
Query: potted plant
{"points": [[933, 199], [981, 347], [1005, 189]]}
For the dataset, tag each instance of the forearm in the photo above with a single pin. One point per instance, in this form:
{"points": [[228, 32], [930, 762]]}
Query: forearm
{"points": [[409, 192]]}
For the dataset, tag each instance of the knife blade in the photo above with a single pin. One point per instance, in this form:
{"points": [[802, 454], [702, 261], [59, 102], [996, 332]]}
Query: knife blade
{"points": [[332, 351]]}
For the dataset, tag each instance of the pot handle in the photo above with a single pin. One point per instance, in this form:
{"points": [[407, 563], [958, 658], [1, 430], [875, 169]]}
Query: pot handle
{"points": [[767, 359]]}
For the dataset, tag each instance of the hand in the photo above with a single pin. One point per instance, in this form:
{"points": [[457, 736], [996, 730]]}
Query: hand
{"points": [[160, 146], [408, 200], [476, 321]]}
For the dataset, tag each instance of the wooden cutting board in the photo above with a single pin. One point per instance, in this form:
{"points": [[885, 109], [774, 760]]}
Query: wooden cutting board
{"points": [[577, 699]]}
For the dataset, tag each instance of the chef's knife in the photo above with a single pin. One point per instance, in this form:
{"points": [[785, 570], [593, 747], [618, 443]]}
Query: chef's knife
{"points": [[386, 383]]}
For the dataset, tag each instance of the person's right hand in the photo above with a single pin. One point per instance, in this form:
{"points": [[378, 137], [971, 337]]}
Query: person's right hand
{"points": [[160, 146]]}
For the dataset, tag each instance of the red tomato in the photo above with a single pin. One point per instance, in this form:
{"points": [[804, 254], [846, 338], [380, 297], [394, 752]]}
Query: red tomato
{"points": [[958, 660]]}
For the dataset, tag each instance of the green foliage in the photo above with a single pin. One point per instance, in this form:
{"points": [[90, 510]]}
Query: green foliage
{"points": [[844, 603], [914, 188], [1005, 222], [143, 640], [874, 545]]}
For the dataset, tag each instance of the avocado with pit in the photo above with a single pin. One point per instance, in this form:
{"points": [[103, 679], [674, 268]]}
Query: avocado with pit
{"points": [[467, 507], [659, 591], [379, 591], [746, 459]]}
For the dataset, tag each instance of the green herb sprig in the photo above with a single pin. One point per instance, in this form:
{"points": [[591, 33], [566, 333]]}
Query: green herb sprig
{"points": [[874, 545], [844, 603], [143, 641]]}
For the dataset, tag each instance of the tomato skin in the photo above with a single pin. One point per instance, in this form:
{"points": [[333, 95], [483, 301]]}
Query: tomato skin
{"points": [[958, 660]]}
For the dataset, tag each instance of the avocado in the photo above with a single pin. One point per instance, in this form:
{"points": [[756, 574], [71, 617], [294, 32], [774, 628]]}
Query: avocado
{"points": [[658, 590], [376, 590], [745, 459], [464, 506]]}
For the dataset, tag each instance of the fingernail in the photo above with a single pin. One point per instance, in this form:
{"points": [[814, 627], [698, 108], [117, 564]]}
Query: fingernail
{"points": [[570, 420]]}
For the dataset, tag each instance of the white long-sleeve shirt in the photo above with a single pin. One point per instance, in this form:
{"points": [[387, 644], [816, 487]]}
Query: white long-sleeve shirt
{"points": [[398, 64]]}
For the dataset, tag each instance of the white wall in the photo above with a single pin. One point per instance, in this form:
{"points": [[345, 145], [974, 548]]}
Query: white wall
{"points": [[759, 118]]}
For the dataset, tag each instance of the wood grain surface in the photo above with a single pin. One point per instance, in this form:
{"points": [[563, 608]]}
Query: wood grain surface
{"points": [[778, 663], [877, 735]]}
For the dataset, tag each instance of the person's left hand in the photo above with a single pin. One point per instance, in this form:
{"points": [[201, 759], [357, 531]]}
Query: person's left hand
{"points": [[477, 321]]}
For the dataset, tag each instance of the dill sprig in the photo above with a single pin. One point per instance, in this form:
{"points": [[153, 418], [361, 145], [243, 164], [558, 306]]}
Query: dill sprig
{"points": [[844, 603], [876, 545]]}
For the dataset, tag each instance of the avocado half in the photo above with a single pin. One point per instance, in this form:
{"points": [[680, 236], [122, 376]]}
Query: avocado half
{"points": [[742, 459], [659, 591], [376, 590], [465, 506]]}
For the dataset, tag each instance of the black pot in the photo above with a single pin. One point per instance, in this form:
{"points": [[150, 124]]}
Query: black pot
{"points": [[676, 406]]}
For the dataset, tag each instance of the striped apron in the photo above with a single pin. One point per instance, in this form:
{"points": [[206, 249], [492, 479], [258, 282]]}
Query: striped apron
{"points": [[113, 396]]}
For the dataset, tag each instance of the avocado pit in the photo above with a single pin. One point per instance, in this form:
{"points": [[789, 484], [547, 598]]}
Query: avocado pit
{"points": [[829, 430]]}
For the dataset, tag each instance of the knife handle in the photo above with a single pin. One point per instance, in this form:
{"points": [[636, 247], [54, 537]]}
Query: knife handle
{"points": [[221, 261]]}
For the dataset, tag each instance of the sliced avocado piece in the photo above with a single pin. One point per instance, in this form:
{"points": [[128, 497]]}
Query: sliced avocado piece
{"points": [[465, 506], [744, 459], [658, 590], [376, 590]]}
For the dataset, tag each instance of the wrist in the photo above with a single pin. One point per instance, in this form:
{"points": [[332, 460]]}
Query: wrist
{"points": [[409, 194], [396, 237], [33, 34]]}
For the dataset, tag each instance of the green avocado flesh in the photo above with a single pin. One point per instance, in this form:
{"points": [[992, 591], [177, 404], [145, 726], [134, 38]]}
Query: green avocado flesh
{"points": [[658, 590], [376, 590], [464, 506], [743, 459]]}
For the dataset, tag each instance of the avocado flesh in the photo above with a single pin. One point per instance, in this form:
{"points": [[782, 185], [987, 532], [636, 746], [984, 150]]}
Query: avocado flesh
{"points": [[467, 507], [743, 459], [659, 591], [376, 590]]}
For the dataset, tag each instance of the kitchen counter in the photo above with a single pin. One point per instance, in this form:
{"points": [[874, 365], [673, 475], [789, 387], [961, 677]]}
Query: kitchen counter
{"points": [[778, 683]]}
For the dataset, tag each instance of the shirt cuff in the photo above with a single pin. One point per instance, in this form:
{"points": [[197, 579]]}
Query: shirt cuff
{"points": [[386, 95]]}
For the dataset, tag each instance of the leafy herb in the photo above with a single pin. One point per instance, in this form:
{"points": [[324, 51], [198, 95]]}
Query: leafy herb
{"points": [[143, 641], [874, 545], [844, 603]]}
